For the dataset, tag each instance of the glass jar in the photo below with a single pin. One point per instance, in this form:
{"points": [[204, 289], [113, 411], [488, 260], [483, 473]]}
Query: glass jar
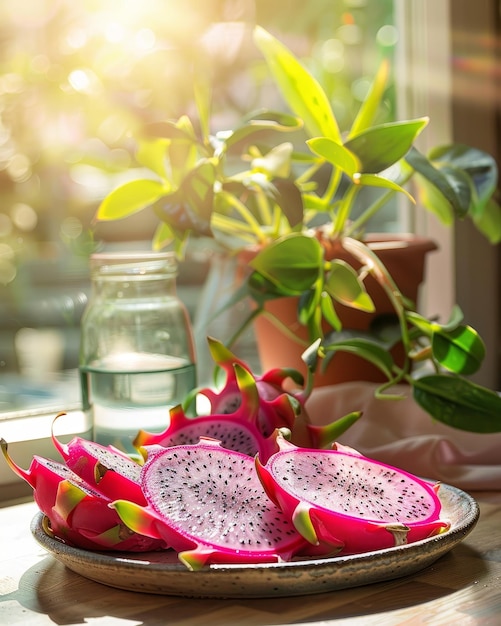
{"points": [[137, 355]]}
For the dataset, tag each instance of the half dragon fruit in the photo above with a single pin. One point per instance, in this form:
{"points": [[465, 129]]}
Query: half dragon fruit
{"points": [[208, 503], [277, 407], [236, 431], [339, 498], [105, 468], [74, 512]]}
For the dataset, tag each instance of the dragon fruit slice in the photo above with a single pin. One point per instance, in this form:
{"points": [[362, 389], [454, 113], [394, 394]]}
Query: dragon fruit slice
{"points": [[74, 512], [339, 498], [207, 503], [107, 469], [236, 431]]}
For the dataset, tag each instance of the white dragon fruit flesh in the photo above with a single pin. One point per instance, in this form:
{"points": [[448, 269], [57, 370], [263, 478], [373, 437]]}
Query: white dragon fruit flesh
{"points": [[353, 504], [207, 502]]}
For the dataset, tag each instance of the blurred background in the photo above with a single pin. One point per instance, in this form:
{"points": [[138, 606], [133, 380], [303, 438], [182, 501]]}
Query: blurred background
{"points": [[77, 79]]}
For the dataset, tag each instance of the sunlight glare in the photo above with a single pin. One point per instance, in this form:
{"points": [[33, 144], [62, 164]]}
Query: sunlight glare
{"points": [[145, 39], [80, 80], [115, 32], [76, 38]]}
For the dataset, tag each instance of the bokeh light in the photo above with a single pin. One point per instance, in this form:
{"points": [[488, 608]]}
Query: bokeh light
{"points": [[24, 217]]}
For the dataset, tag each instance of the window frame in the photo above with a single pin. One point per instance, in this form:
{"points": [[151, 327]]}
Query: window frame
{"points": [[465, 269]]}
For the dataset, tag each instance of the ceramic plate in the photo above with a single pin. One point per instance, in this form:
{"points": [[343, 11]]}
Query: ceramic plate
{"points": [[161, 572]]}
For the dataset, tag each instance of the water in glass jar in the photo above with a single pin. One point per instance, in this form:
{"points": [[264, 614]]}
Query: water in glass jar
{"points": [[128, 392]]}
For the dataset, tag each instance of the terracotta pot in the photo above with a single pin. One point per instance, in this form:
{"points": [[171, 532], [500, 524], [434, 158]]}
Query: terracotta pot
{"points": [[403, 256]]}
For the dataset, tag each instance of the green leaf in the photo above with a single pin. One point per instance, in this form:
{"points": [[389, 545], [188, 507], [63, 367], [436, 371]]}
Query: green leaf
{"points": [[456, 317], [379, 147], [444, 192], [300, 89], [480, 166], [481, 172], [162, 236], [460, 350], [202, 92], [277, 162], [366, 349], [429, 326], [489, 221], [182, 129], [335, 153], [329, 312], [311, 355], [152, 154], [262, 289], [308, 303], [198, 186], [345, 286], [190, 208], [434, 200], [372, 101], [130, 198], [182, 159], [181, 147], [258, 125], [459, 403], [293, 262], [461, 184], [374, 180], [289, 199]]}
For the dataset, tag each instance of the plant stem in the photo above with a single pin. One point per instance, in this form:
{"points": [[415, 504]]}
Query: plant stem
{"points": [[344, 210], [378, 270], [369, 212], [333, 185], [264, 207], [238, 229], [247, 322], [307, 174], [254, 225]]}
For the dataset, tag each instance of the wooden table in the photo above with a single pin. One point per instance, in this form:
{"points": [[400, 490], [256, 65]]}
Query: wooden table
{"points": [[460, 589]]}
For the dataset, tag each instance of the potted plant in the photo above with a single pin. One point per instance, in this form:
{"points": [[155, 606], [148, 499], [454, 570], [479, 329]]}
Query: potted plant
{"points": [[290, 205]]}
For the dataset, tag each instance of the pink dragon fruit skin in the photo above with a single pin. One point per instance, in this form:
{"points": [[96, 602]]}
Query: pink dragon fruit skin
{"points": [[277, 408], [107, 469], [236, 431], [339, 498], [207, 503], [74, 512]]}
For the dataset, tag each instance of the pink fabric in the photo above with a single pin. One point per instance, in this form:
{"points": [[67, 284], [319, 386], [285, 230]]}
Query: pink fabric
{"points": [[400, 433]]}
